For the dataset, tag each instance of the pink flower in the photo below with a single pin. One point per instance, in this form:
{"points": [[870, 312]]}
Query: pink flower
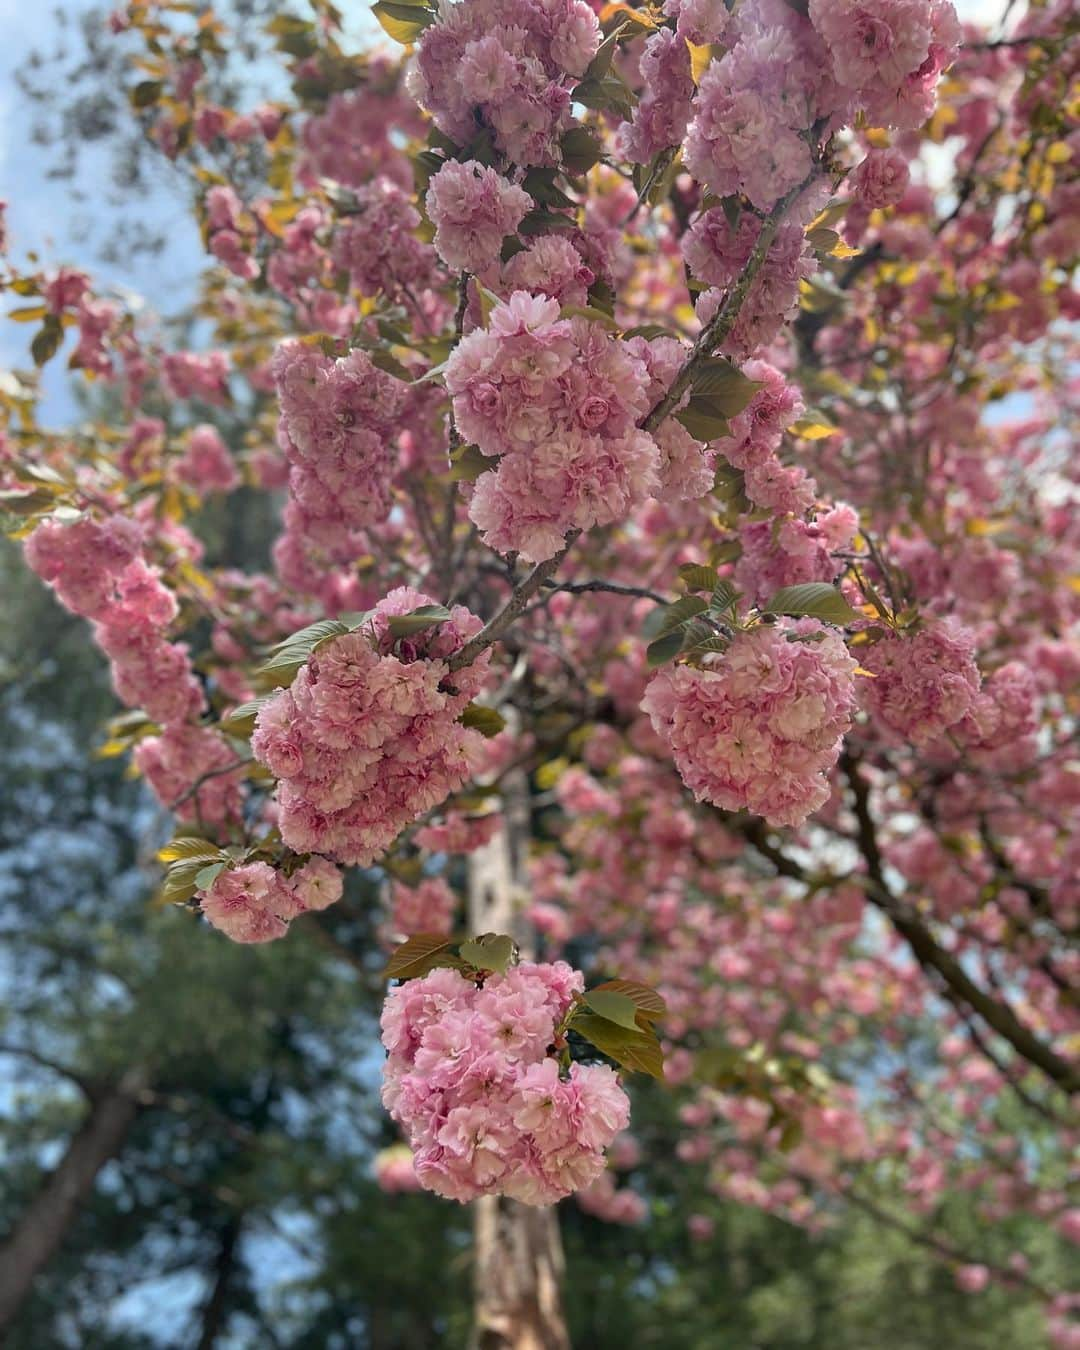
{"points": [[484, 1108], [760, 727], [881, 179], [249, 903], [473, 209]]}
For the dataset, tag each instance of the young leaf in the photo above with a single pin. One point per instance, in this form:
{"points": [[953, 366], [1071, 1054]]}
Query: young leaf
{"points": [[188, 847], [403, 22], [492, 951], [815, 600], [637, 1050], [613, 1006], [416, 956], [487, 721], [427, 616], [206, 876], [241, 721], [646, 1000]]}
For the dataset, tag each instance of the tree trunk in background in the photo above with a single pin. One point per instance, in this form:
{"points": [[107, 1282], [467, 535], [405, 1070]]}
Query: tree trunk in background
{"points": [[517, 1249], [43, 1225], [214, 1314]]}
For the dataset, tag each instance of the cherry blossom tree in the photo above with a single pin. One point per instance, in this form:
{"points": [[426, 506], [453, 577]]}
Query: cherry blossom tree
{"points": [[676, 597]]}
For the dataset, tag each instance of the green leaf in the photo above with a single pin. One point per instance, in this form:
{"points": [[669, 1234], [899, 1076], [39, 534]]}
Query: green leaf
{"points": [[723, 597], [492, 951], [590, 313], [698, 576], [645, 999], [187, 847], [541, 187], [288, 656], [704, 418], [46, 340], [668, 617], [664, 649], [648, 331], [487, 721], [637, 1050], [468, 462], [729, 389], [206, 877], [607, 93], [542, 221], [179, 884], [416, 956], [427, 616], [613, 1006], [580, 150], [728, 482], [307, 639], [147, 92], [241, 721], [815, 600], [403, 22]]}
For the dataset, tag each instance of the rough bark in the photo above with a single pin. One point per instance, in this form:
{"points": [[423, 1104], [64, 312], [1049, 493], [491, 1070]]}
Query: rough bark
{"points": [[517, 1254], [45, 1222]]}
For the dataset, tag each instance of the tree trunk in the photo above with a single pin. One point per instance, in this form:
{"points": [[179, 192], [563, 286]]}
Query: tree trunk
{"points": [[43, 1225], [215, 1310], [517, 1249]]}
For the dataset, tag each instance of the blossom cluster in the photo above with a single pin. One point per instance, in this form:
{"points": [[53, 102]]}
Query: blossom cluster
{"points": [[759, 727], [473, 209], [97, 569], [376, 245], [483, 1105], [557, 400], [337, 418], [508, 66], [924, 683], [366, 738], [785, 75], [254, 902]]}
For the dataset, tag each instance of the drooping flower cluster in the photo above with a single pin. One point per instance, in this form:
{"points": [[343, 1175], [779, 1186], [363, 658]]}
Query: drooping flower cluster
{"points": [[760, 727], [784, 76], [662, 113], [366, 738], [509, 66], [427, 907], [755, 105], [473, 209], [886, 55], [924, 684], [558, 401], [206, 465], [337, 418], [255, 902], [484, 1107], [98, 570], [376, 243]]}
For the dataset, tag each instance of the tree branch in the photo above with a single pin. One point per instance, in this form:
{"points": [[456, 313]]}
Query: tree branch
{"points": [[523, 592], [960, 988]]}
